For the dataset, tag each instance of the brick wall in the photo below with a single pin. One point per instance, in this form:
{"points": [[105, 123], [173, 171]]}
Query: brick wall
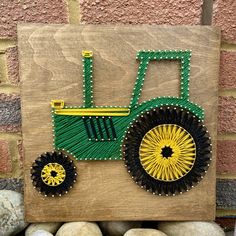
{"points": [[192, 12], [223, 15]]}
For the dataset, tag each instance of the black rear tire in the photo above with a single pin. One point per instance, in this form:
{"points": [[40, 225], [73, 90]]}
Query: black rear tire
{"points": [[167, 115]]}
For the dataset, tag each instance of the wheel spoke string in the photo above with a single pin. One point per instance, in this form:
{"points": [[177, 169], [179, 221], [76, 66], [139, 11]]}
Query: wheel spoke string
{"points": [[162, 136]]}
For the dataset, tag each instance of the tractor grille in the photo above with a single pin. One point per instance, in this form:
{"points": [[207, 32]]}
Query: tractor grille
{"points": [[100, 128]]}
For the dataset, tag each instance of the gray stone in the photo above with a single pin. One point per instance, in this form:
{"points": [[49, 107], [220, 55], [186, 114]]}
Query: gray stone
{"points": [[230, 233], [11, 184], [226, 194], [49, 227], [79, 229], [11, 213], [41, 233], [118, 228], [9, 109], [144, 232], [191, 228]]}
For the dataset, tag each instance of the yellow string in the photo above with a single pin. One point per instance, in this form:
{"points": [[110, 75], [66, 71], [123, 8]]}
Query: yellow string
{"points": [[53, 174], [175, 166], [93, 111]]}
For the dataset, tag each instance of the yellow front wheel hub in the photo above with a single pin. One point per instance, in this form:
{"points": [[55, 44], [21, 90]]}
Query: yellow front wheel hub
{"points": [[53, 174], [167, 152]]}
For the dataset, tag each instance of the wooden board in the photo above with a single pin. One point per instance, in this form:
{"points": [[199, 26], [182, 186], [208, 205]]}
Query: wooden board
{"points": [[51, 68]]}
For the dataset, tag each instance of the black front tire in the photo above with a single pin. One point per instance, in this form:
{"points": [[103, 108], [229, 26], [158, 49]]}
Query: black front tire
{"points": [[53, 174]]}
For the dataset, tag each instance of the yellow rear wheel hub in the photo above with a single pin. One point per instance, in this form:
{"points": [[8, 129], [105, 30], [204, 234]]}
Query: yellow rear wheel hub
{"points": [[167, 152], [53, 174]]}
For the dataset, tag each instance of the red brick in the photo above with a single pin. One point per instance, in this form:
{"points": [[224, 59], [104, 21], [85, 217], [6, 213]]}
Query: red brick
{"points": [[227, 115], [42, 11], [141, 11], [5, 158], [224, 16], [226, 223], [226, 161], [227, 70], [12, 65], [10, 128], [20, 150]]}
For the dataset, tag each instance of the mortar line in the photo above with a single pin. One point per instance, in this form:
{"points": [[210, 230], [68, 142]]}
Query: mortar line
{"points": [[228, 46], [227, 92], [222, 137], [222, 212], [3, 69], [11, 136], [207, 12], [226, 176], [7, 43], [74, 11], [9, 89]]}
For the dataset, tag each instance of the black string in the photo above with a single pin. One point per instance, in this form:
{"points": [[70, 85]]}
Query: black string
{"points": [[112, 128], [86, 128], [99, 128], [106, 128], [93, 128]]}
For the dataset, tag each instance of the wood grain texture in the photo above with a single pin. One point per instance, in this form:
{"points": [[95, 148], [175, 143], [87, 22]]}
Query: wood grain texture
{"points": [[51, 68]]}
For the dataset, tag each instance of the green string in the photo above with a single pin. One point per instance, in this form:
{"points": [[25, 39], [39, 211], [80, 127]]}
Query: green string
{"points": [[87, 82], [146, 56], [69, 131], [71, 136]]}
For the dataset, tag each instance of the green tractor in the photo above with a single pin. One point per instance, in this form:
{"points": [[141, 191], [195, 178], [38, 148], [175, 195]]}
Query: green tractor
{"points": [[163, 141]]}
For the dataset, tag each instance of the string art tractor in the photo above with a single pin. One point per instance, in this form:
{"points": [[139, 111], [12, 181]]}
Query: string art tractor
{"points": [[163, 142]]}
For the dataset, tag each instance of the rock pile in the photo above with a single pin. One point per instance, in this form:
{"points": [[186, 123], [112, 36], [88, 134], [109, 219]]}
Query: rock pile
{"points": [[12, 222]]}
